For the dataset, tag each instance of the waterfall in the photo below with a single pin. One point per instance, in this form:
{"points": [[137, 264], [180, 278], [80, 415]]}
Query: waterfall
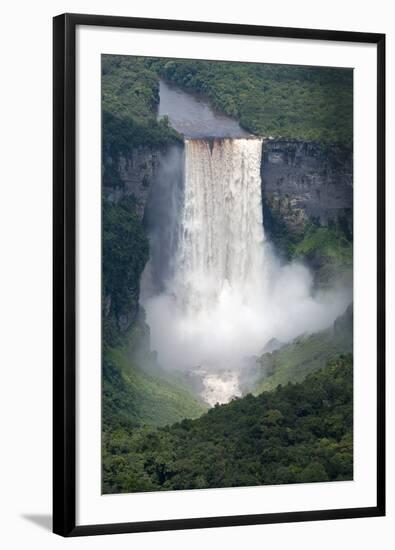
{"points": [[221, 236], [225, 294], [210, 316]]}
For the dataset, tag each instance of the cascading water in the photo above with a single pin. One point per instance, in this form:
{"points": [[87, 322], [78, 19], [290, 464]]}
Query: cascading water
{"points": [[225, 294], [221, 237], [219, 267]]}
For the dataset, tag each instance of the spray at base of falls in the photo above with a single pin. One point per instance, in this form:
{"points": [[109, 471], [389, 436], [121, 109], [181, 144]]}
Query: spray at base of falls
{"points": [[228, 295], [218, 387]]}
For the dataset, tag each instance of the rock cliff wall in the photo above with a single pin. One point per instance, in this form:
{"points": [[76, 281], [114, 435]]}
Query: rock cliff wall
{"points": [[301, 183], [127, 180], [305, 182], [134, 174], [137, 186]]}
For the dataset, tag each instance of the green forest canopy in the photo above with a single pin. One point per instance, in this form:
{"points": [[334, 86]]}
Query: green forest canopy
{"points": [[130, 96], [289, 101], [297, 433]]}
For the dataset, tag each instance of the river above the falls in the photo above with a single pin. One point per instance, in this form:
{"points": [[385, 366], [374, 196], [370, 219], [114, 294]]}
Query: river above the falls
{"points": [[192, 115]]}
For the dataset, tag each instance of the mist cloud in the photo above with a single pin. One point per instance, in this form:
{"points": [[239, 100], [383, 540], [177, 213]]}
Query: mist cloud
{"points": [[214, 291]]}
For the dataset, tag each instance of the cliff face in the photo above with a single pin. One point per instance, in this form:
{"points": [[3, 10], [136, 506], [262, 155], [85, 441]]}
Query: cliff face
{"points": [[135, 195], [134, 174], [301, 183], [127, 179], [305, 182]]}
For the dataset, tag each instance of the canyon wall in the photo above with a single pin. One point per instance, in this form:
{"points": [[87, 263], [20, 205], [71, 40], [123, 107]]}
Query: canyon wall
{"points": [[134, 174], [305, 182], [135, 196], [302, 183]]}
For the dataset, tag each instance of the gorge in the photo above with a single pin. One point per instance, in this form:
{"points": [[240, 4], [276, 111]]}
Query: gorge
{"points": [[227, 274], [208, 204]]}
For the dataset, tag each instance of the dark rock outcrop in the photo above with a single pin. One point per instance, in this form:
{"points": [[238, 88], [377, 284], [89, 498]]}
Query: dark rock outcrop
{"points": [[134, 174], [139, 182], [306, 182], [127, 179]]}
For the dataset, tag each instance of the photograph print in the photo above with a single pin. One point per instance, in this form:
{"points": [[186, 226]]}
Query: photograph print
{"points": [[227, 274]]}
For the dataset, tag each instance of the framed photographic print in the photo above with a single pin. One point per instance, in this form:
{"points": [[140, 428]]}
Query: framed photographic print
{"points": [[218, 275]]}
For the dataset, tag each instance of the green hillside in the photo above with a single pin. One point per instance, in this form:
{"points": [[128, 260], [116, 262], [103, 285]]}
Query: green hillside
{"points": [[295, 434], [135, 397], [328, 250], [306, 354]]}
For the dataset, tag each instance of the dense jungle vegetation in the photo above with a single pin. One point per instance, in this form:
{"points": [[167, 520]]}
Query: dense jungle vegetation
{"points": [[304, 355], [125, 253], [130, 96], [135, 396], [328, 250], [294, 434], [296, 102]]}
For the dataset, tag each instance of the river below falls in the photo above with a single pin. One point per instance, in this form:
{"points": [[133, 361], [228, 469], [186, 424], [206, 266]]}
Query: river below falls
{"points": [[218, 386]]}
